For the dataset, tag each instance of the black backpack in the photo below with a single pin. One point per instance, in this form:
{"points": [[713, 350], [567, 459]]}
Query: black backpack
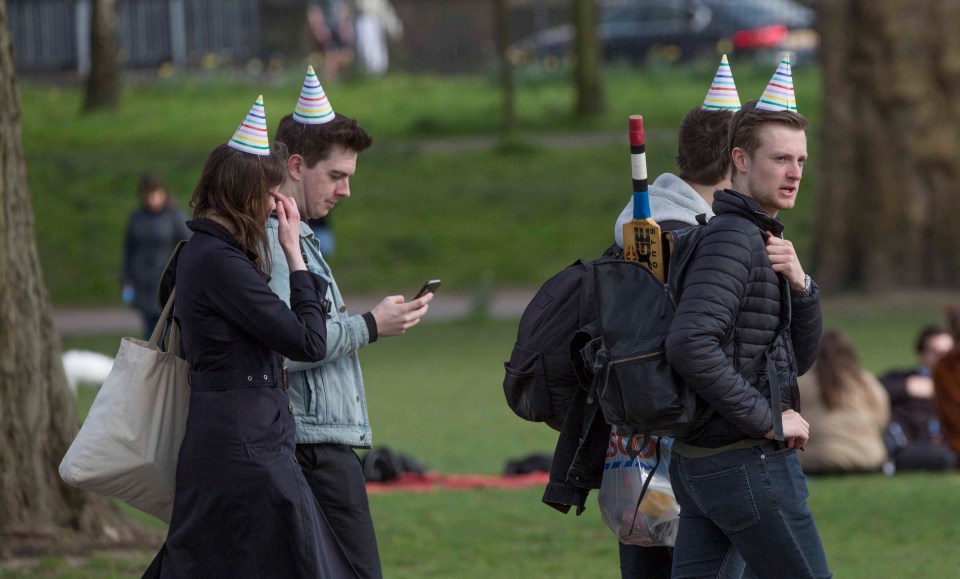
{"points": [[540, 377], [638, 390]]}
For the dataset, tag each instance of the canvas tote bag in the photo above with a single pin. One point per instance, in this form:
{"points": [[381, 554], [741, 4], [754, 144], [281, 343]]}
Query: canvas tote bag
{"points": [[127, 447]]}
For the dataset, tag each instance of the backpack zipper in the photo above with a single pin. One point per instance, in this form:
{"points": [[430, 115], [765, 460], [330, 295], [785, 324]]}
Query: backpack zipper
{"points": [[641, 356]]}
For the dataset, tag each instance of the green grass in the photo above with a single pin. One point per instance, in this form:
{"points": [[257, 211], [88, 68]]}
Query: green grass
{"points": [[435, 394], [511, 217]]}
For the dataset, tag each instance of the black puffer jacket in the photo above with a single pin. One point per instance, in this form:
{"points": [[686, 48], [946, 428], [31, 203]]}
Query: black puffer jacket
{"points": [[728, 314]]}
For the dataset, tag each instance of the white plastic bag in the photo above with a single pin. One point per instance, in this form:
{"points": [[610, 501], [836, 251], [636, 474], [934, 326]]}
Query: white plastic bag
{"points": [[128, 445], [656, 520]]}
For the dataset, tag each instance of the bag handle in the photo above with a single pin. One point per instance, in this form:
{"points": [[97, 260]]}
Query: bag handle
{"points": [[646, 483], [162, 322]]}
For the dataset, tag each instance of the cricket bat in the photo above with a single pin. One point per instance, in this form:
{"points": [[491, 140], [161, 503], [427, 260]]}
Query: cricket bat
{"points": [[641, 236]]}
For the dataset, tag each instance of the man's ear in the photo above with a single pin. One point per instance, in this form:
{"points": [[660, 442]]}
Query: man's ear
{"points": [[739, 157], [295, 166]]}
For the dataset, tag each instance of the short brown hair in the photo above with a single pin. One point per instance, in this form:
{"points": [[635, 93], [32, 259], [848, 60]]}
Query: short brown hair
{"points": [[314, 142], [747, 122], [235, 186], [703, 157]]}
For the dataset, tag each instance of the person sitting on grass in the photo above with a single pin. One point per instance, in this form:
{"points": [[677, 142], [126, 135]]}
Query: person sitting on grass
{"points": [[848, 408], [913, 438]]}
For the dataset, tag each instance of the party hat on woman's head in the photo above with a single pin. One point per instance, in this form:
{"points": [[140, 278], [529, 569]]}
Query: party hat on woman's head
{"points": [[722, 95], [313, 108], [778, 96], [251, 135]]}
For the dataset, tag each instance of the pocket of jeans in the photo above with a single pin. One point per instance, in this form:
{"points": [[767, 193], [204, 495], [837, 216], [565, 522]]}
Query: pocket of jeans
{"points": [[726, 498], [790, 489]]}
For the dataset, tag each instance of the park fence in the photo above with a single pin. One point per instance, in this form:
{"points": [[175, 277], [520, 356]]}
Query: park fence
{"points": [[54, 35]]}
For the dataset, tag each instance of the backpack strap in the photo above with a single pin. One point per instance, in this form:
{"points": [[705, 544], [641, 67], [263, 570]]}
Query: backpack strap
{"points": [[773, 379]]}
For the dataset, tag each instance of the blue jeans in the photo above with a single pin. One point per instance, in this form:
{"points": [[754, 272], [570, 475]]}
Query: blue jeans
{"points": [[752, 501]]}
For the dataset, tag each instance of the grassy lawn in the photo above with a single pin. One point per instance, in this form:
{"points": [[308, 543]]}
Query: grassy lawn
{"points": [[499, 217], [507, 217], [435, 394]]}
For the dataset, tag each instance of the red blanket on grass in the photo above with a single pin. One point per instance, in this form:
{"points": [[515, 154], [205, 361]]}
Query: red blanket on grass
{"points": [[432, 481]]}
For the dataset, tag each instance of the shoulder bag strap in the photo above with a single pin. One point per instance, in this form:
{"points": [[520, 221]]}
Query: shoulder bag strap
{"points": [[162, 322]]}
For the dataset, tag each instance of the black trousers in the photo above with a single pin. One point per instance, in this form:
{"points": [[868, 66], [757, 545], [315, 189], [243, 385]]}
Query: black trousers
{"points": [[335, 475], [645, 562]]}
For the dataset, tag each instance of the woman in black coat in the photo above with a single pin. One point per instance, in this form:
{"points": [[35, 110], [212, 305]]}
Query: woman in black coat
{"points": [[242, 507]]}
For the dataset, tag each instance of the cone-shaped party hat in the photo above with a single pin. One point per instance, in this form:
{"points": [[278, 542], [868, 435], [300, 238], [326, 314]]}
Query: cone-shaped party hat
{"points": [[313, 108], [722, 95], [251, 135], [778, 96]]}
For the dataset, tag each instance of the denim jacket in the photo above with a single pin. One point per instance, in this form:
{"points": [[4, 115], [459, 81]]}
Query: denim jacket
{"points": [[330, 405]]}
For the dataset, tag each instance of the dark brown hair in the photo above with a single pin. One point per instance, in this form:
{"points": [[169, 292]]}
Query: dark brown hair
{"points": [[235, 186], [150, 182], [747, 122], [838, 370], [314, 142], [703, 157]]}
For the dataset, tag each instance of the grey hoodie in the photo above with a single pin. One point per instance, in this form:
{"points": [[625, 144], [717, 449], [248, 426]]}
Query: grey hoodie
{"points": [[671, 199]]}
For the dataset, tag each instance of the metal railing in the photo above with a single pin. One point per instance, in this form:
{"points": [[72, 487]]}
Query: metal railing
{"points": [[54, 35]]}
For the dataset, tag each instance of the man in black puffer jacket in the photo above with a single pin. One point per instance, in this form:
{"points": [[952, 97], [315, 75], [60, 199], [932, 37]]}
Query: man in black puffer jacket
{"points": [[748, 322]]}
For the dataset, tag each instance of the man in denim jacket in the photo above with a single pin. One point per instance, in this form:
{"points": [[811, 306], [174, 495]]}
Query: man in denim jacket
{"points": [[328, 397]]}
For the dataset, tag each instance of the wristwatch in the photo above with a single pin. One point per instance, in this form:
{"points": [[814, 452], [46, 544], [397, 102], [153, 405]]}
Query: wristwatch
{"points": [[807, 288]]}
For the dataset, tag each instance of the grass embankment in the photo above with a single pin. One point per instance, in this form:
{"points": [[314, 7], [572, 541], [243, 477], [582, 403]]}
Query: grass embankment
{"points": [[435, 394], [510, 217]]}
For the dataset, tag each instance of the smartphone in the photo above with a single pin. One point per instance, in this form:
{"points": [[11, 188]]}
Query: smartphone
{"points": [[429, 287]]}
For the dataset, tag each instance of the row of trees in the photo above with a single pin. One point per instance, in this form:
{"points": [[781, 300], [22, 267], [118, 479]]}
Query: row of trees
{"points": [[891, 159]]}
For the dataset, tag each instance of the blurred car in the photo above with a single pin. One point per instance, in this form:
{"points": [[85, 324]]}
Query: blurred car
{"points": [[637, 31]]}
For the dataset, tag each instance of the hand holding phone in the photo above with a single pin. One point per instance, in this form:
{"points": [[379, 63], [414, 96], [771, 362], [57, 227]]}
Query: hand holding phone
{"points": [[429, 287]]}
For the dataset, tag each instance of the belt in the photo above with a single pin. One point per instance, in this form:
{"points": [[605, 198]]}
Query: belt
{"points": [[265, 377]]}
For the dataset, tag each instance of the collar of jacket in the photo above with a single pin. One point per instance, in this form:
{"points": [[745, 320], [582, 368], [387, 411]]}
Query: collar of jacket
{"points": [[214, 229], [730, 201], [305, 229]]}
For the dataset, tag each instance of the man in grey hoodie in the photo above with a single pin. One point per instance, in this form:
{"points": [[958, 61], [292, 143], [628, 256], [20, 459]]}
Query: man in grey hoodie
{"points": [[703, 166]]}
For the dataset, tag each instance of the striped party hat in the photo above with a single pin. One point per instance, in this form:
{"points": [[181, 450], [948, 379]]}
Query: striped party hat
{"points": [[313, 108], [778, 96], [251, 135], [722, 95]]}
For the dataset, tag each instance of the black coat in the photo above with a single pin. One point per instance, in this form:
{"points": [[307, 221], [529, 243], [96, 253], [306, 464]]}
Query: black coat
{"points": [[242, 507], [728, 314], [148, 242]]}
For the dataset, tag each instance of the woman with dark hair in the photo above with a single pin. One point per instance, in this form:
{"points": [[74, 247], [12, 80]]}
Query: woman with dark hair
{"points": [[242, 507], [847, 409], [153, 230]]}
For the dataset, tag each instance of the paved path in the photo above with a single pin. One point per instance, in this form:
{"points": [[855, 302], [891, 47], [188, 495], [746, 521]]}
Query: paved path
{"points": [[504, 304], [576, 140]]}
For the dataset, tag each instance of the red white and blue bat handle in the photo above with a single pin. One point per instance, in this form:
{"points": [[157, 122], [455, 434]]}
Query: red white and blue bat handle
{"points": [[638, 163]]}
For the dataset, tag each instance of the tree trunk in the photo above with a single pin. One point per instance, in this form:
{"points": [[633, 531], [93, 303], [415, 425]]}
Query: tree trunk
{"points": [[38, 416], [508, 123], [590, 99], [890, 160], [103, 82]]}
